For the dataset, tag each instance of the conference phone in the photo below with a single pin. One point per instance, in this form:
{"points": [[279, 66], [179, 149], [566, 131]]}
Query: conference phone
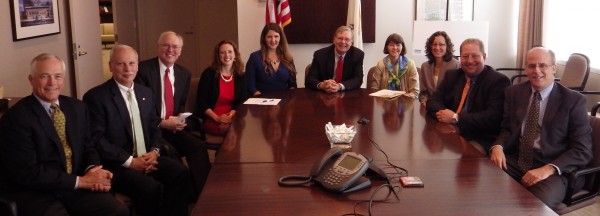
{"points": [[339, 172]]}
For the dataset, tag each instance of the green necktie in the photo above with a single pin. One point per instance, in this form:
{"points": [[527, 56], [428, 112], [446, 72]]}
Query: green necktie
{"points": [[139, 148], [58, 118]]}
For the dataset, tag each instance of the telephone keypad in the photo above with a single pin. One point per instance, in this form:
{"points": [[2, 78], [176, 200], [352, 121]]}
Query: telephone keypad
{"points": [[334, 178]]}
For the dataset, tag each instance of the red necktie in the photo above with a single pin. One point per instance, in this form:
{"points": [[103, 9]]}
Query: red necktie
{"points": [[464, 95], [168, 95], [339, 70]]}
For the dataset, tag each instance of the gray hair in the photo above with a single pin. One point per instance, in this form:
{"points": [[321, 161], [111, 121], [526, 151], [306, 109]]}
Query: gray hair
{"points": [[43, 57], [168, 33], [118, 47]]}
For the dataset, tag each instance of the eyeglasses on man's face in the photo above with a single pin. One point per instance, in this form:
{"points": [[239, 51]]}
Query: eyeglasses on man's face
{"points": [[541, 66], [438, 45], [167, 46]]}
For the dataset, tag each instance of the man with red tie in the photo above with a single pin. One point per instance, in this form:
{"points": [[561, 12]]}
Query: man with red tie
{"points": [[170, 83], [337, 67]]}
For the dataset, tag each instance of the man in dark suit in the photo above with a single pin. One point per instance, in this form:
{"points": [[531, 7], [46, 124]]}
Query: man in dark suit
{"points": [[125, 129], [337, 67], [50, 170], [559, 141], [474, 106], [152, 75]]}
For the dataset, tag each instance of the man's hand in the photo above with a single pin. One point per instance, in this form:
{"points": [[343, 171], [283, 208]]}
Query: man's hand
{"points": [[445, 115], [534, 176], [145, 163], [257, 93], [424, 101], [172, 124], [333, 86], [498, 158], [151, 159], [96, 179]]}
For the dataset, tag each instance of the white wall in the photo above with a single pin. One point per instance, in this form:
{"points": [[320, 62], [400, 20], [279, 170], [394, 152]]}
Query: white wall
{"points": [[392, 16], [16, 55]]}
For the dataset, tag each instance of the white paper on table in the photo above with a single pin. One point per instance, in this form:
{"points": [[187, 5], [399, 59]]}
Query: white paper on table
{"points": [[262, 101], [385, 93]]}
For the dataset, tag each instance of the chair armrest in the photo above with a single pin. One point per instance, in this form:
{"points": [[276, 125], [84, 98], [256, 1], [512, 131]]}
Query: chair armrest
{"points": [[515, 69], [591, 188], [196, 126], [513, 78], [8, 206], [595, 109]]}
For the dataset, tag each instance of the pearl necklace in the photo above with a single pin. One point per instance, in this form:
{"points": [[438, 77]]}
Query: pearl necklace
{"points": [[227, 80]]}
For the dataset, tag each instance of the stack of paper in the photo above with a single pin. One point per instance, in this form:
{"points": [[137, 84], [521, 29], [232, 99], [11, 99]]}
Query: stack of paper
{"points": [[384, 93]]}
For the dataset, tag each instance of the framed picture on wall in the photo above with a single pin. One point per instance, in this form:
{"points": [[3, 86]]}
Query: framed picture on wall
{"points": [[444, 10], [34, 18]]}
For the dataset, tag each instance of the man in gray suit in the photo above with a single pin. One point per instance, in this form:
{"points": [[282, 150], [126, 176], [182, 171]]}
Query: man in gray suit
{"points": [[545, 131]]}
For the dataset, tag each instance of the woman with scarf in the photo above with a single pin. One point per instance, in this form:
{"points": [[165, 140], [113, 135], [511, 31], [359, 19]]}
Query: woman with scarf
{"points": [[396, 71]]}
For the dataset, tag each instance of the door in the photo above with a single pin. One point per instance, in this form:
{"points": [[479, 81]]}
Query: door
{"points": [[85, 45], [157, 16]]}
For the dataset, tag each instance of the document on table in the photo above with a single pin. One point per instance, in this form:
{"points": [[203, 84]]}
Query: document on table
{"points": [[384, 93], [262, 101]]}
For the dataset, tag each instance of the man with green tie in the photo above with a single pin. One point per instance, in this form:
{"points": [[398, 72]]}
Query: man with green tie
{"points": [[48, 162]]}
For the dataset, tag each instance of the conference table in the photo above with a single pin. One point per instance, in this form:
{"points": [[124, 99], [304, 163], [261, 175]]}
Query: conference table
{"points": [[267, 142]]}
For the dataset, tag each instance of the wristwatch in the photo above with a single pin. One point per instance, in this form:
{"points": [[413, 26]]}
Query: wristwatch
{"points": [[455, 118], [157, 150]]}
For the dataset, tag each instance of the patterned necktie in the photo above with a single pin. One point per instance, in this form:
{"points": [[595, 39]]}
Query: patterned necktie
{"points": [[465, 93], [58, 118], [138, 133], [339, 70], [168, 94], [530, 133]]}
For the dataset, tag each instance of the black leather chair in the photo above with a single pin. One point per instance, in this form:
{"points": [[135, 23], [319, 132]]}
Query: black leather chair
{"points": [[576, 199], [7, 207]]}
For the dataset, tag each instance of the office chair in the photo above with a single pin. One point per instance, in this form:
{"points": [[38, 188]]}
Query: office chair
{"points": [[575, 74], [591, 188], [306, 71], [370, 77], [8, 207], [195, 123]]}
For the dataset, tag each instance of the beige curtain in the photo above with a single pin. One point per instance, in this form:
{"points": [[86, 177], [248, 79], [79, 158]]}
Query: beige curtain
{"points": [[530, 28]]}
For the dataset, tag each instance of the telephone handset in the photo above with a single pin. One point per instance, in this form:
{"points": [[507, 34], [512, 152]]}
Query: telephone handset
{"points": [[341, 172]]}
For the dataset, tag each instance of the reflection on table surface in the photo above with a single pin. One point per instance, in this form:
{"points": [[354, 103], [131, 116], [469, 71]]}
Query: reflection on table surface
{"points": [[452, 187], [293, 131]]}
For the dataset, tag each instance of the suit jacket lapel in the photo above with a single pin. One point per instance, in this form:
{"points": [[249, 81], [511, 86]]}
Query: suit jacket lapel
{"points": [[330, 63], [554, 101], [143, 107], [155, 82], [45, 121], [178, 87], [523, 96], [121, 106]]}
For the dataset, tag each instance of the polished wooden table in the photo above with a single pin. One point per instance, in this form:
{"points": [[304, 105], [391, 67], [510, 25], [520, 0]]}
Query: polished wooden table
{"points": [[294, 131], [268, 142]]}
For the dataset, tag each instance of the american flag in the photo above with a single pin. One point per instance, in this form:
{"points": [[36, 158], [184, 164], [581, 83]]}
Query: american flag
{"points": [[278, 11]]}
